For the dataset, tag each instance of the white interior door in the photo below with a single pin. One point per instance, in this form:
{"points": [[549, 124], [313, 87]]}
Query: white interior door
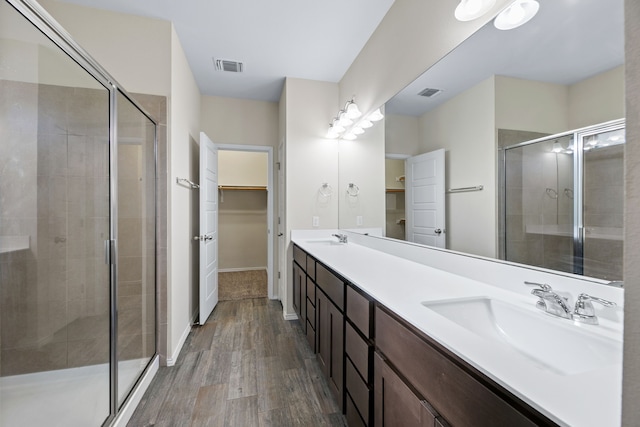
{"points": [[424, 199], [208, 227]]}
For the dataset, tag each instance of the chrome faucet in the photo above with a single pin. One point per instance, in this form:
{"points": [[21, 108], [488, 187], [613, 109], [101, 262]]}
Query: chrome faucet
{"points": [[584, 311], [342, 238], [550, 302]]}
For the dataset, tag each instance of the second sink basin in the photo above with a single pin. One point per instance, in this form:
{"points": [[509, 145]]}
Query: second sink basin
{"points": [[555, 344]]}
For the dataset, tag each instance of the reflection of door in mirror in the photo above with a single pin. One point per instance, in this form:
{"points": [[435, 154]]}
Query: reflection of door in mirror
{"points": [[394, 197], [425, 207]]}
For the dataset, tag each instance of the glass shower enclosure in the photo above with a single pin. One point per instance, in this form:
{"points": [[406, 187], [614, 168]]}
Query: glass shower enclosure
{"points": [[77, 230], [561, 201]]}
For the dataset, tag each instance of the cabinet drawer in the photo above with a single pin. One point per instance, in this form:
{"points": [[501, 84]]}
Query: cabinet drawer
{"points": [[357, 349], [443, 383], [311, 337], [359, 311], [300, 256], [311, 314], [358, 390], [331, 284], [311, 267], [311, 291]]}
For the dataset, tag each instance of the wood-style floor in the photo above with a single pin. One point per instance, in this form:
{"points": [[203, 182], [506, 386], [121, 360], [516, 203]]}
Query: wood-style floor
{"points": [[245, 367]]}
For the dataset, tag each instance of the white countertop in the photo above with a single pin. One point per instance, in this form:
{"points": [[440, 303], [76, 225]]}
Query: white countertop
{"points": [[590, 398]]}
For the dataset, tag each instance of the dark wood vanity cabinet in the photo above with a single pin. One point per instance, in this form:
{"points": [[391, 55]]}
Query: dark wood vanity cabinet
{"points": [[459, 393], [385, 372]]}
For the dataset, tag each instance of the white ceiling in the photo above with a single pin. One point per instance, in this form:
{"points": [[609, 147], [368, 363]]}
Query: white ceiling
{"points": [[566, 42], [315, 40]]}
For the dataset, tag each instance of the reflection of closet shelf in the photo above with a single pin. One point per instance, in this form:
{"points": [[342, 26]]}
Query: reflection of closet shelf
{"points": [[395, 190], [400, 178], [401, 221], [242, 187]]}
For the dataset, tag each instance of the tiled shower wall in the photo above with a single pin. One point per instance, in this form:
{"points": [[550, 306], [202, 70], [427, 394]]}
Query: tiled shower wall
{"points": [[54, 314], [55, 295]]}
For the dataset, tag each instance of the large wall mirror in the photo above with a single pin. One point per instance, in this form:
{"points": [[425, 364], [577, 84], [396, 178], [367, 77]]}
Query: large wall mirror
{"points": [[563, 70]]}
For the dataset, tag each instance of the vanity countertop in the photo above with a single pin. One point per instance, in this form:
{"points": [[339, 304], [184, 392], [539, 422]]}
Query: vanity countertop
{"points": [[587, 398]]}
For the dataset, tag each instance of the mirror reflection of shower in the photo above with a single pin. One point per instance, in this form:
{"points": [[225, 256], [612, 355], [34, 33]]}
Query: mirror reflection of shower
{"points": [[562, 202]]}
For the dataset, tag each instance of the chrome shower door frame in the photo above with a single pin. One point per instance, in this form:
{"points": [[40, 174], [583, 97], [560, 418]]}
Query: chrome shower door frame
{"points": [[44, 22]]}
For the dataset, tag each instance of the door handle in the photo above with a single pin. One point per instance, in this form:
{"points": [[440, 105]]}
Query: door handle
{"points": [[203, 238], [280, 234], [437, 231]]}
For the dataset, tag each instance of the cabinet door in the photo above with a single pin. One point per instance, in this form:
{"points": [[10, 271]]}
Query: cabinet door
{"points": [[394, 402], [298, 277], [330, 344]]}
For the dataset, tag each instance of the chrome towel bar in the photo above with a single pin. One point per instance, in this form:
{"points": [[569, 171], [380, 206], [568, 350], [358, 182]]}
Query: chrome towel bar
{"points": [[190, 183], [465, 189]]}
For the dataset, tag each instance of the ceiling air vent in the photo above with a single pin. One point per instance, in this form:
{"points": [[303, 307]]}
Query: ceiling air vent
{"points": [[229, 65], [430, 93]]}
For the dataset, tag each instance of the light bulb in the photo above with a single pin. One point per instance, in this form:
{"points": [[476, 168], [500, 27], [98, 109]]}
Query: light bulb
{"points": [[352, 111], [365, 124], [349, 136], [357, 130], [375, 116], [336, 127], [344, 120], [332, 133], [557, 148]]}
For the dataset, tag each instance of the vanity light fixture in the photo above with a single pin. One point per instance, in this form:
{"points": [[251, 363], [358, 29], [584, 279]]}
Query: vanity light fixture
{"points": [[518, 13], [345, 126], [468, 10]]}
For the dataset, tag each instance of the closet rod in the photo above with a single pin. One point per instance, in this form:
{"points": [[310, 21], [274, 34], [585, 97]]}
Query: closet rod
{"points": [[242, 187]]}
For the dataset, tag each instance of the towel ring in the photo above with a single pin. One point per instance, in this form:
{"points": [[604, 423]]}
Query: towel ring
{"points": [[353, 189], [325, 190]]}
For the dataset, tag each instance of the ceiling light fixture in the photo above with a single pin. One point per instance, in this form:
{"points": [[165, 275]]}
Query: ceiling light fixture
{"points": [[518, 13], [468, 10], [345, 126]]}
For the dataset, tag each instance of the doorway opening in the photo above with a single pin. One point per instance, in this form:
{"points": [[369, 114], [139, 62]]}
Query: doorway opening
{"points": [[245, 218]]}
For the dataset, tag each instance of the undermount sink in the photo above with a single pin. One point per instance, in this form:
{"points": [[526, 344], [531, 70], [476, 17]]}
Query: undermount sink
{"points": [[328, 242], [555, 344]]}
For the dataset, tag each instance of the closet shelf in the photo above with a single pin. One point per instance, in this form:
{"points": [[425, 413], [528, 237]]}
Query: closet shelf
{"points": [[242, 187], [395, 190]]}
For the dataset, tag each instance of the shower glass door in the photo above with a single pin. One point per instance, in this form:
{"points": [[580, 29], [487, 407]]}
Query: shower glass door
{"points": [[54, 221], [136, 321], [562, 201], [539, 204]]}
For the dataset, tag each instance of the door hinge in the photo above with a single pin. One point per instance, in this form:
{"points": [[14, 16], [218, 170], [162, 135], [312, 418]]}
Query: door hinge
{"points": [[278, 163], [278, 220], [278, 274]]}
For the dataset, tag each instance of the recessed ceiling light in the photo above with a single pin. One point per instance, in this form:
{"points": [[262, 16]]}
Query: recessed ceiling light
{"points": [[518, 13], [468, 10]]}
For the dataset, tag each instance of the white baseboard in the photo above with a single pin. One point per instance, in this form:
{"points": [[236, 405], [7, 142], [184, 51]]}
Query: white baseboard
{"points": [[289, 316], [174, 357], [231, 270], [128, 409]]}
